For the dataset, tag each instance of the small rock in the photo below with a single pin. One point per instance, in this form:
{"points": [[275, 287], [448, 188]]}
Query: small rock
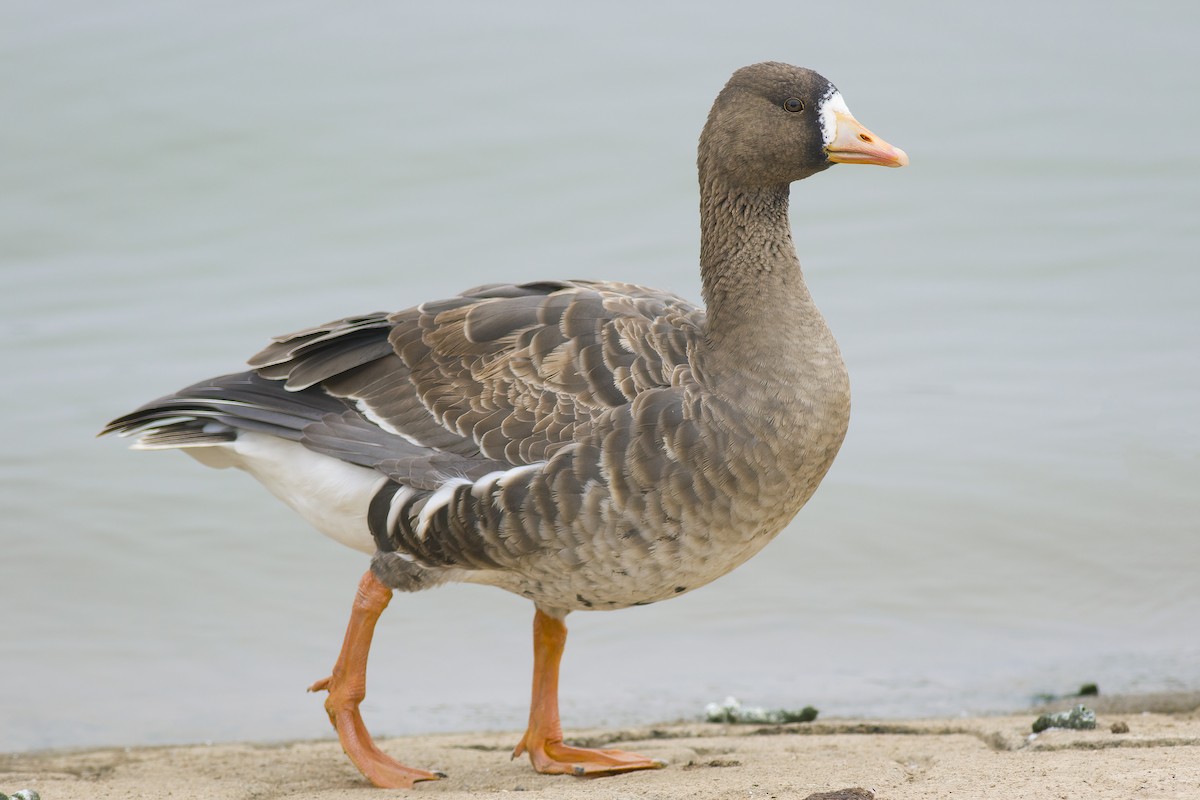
{"points": [[1078, 718], [1088, 690], [857, 793], [1119, 727], [25, 794]]}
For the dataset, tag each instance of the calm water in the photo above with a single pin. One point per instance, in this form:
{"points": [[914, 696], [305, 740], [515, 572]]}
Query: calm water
{"points": [[1015, 509]]}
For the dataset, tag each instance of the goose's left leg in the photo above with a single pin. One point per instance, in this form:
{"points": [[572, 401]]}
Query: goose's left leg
{"points": [[543, 740], [347, 687]]}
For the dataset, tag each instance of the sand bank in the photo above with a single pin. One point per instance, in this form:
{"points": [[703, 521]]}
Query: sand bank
{"points": [[971, 757]]}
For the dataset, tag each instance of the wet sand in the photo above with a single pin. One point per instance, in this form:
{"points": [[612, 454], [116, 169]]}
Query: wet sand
{"points": [[1158, 757]]}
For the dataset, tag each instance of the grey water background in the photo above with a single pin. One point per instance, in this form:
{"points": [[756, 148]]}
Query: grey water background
{"points": [[1015, 509]]}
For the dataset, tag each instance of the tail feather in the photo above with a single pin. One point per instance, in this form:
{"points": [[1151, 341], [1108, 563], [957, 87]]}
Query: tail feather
{"points": [[239, 401], [213, 413], [188, 433]]}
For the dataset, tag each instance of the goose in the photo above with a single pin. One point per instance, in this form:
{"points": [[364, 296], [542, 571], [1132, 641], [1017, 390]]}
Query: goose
{"points": [[589, 445]]}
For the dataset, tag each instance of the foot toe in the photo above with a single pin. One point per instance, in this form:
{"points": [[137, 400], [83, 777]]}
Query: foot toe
{"points": [[560, 759]]}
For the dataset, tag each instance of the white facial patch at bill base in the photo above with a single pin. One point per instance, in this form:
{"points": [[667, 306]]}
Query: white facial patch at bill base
{"points": [[830, 106]]}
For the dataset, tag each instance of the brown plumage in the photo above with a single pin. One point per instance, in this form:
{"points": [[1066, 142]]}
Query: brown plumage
{"points": [[586, 444]]}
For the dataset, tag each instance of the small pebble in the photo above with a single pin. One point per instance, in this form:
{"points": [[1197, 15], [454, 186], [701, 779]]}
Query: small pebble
{"points": [[25, 794], [857, 793], [1120, 727]]}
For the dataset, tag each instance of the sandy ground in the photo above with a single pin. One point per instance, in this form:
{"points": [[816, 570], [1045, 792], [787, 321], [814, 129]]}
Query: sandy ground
{"points": [[980, 757]]}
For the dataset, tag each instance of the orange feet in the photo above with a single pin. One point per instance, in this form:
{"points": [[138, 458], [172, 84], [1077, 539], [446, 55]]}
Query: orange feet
{"points": [[555, 758], [543, 740], [347, 687]]}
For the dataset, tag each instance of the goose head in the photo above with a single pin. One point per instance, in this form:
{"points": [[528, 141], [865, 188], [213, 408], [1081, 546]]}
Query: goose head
{"points": [[775, 123]]}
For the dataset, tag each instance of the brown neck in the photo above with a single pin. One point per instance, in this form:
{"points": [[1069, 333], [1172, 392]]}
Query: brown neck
{"points": [[760, 313]]}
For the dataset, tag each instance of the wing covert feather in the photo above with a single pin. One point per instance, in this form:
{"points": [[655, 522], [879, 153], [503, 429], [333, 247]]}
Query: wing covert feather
{"points": [[505, 372]]}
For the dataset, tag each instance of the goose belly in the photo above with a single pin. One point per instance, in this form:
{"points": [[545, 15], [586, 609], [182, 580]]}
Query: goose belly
{"points": [[626, 566]]}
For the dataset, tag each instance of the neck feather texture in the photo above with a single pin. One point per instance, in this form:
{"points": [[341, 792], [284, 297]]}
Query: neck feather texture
{"points": [[760, 313]]}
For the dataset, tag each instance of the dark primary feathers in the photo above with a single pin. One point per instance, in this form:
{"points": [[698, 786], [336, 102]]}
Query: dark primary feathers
{"points": [[508, 372]]}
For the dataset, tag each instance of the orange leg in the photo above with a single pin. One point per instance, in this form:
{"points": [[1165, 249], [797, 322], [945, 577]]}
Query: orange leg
{"points": [[543, 740], [347, 687]]}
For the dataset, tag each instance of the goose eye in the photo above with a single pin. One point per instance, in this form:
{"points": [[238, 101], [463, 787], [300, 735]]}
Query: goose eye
{"points": [[793, 104]]}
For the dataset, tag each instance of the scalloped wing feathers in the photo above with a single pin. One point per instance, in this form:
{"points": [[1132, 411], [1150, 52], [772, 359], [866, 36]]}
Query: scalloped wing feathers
{"points": [[510, 372]]}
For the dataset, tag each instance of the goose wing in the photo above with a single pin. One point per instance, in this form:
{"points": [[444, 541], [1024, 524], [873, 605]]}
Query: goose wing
{"points": [[504, 373]]}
